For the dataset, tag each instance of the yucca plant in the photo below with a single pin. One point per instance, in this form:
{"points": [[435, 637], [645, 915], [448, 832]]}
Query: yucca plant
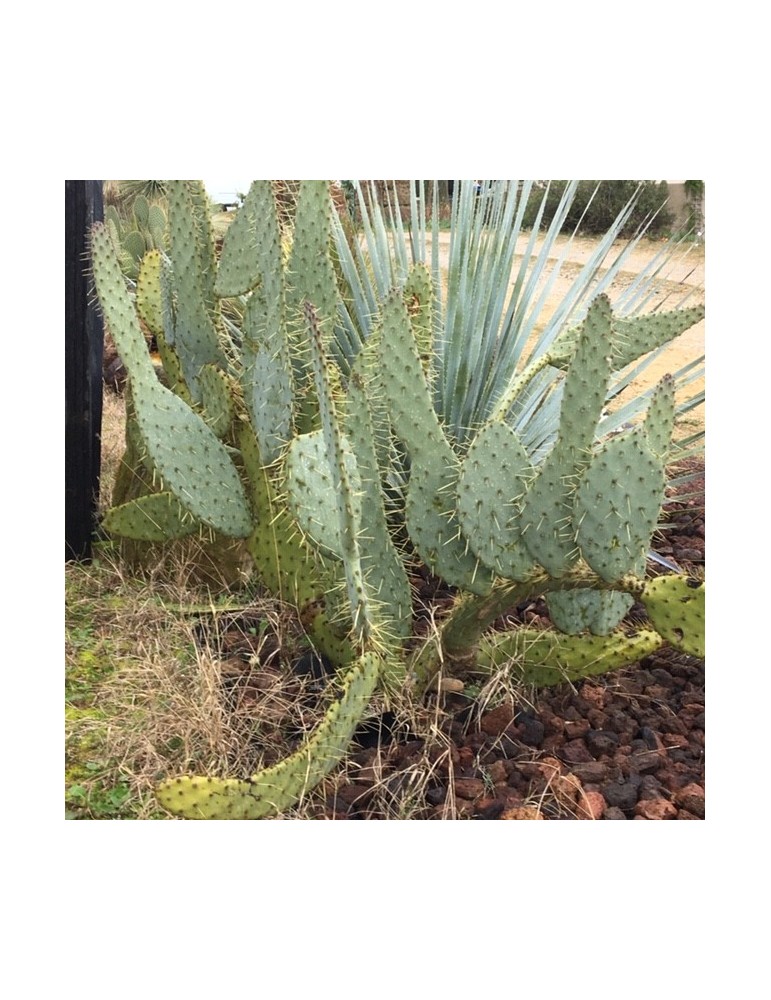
{"points": [[362, 417]]}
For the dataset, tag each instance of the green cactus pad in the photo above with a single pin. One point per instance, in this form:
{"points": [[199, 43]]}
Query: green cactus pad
{"points": [[599, 611], [216, 399], [158, 517], [310, 278], [409, 398], [278, 788], [676, 607], [149, 302], [312, 492], [631, 338], [135, 246], [634, 337], [617, 504], [418, 294], [141, 210], [156, 225], [288, 566], [545, 658], [195, 339], [431, 495], [384, 571], [192, 463], [267, 370], [493, 479], [239, 265], [660, 418], [547, 524], [346, 509]]}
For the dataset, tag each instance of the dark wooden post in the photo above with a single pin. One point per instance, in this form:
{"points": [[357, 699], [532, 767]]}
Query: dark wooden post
{"points": [[83, 347]]}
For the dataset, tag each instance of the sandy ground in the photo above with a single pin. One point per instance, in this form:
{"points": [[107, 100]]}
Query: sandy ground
{"points": [[681, 276]]}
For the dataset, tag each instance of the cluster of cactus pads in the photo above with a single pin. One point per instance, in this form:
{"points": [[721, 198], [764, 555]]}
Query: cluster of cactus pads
{"points": [[257, 432]]}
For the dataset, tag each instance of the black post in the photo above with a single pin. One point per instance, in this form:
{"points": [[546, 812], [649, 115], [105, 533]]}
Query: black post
{"points": [[83, 347]]}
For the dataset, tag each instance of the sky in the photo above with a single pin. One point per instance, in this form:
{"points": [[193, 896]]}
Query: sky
{"points": [[214, 187]]}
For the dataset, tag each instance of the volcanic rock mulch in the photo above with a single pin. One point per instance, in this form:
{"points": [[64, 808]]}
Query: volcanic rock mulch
{"points": [[628, 745]]}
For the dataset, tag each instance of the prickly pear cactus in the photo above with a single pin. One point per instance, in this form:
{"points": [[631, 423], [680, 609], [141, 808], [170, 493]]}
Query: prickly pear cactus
{"points": [[185, 453], [430, 512], [545, 658], [494, 478], [281, 430], [278, 788], [547, 524], [676, 607]]}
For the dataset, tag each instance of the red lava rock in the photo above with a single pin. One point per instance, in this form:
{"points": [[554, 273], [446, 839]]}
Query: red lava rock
{"points": [[670, 780], [595, 771], [464, 809], [577, 729], [691, 798], [622, 793], [566, 789], [599, 741], [684, 814], [552, 724], [552, 744], [591, 805], [469, 788], [575, 752], [522, 812], [498, 771], [594, 694], [488, 808], [672, 740], [493, 723], [657, 692], [655, 809], [512, 799], [597, 719]]}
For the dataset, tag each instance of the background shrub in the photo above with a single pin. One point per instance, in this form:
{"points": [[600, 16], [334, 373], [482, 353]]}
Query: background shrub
{"points": [[604, 207]]}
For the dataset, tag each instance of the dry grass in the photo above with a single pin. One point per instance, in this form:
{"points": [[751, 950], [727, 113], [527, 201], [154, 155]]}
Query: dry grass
{"points": [[113, 443]]}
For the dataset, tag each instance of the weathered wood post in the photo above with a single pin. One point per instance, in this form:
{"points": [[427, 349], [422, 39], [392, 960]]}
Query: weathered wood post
{"points": [[83, 346]]}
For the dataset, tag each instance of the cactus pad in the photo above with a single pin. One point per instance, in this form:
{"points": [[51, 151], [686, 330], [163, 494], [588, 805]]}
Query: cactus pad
{"points": [[312, 492], [617, 504], [282, 786], [547, 522], [599, 611], [157, 517], [545, 658], [676, 607], [185, 452], [493, 479]]}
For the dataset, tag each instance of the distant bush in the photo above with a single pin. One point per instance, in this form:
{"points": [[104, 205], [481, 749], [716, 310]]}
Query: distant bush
{"points": [[602, 209]]}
